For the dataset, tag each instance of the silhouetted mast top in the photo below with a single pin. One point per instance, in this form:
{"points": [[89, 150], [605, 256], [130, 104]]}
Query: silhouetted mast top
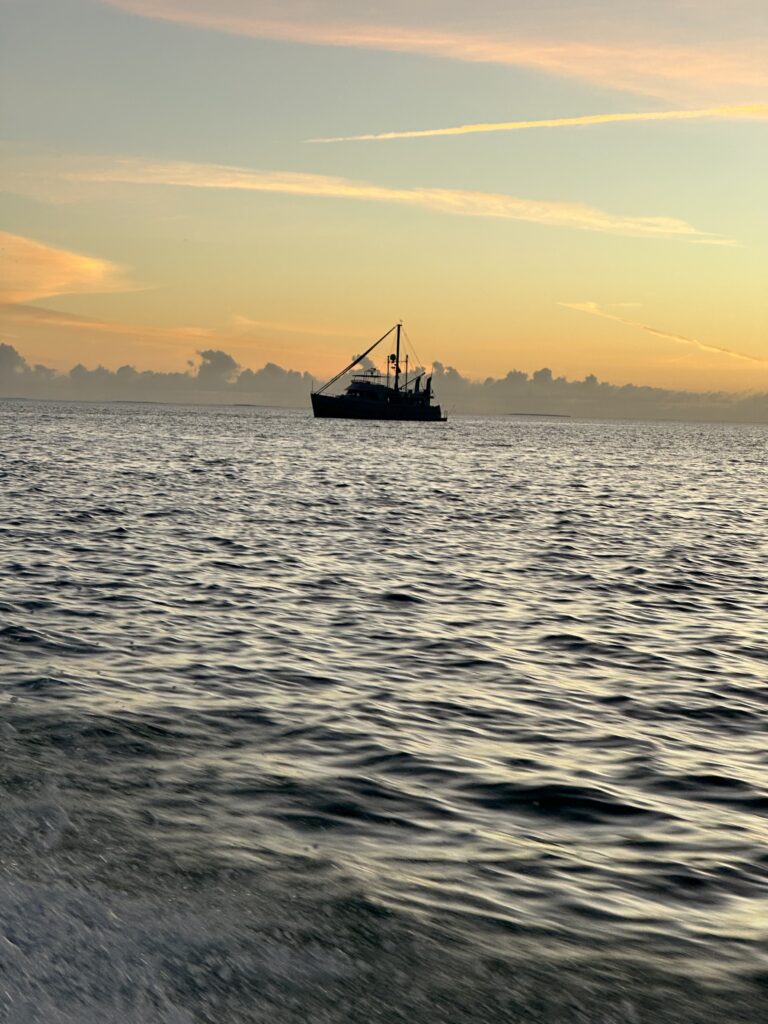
{"points": [[397, 359]]}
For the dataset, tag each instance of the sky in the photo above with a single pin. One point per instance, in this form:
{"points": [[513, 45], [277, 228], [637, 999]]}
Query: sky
{"points": [[578, 185]]}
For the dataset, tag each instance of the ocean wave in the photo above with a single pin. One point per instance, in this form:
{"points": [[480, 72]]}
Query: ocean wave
{"points": [[287, 737]]}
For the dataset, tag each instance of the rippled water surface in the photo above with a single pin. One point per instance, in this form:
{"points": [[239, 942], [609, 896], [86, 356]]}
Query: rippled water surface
{"points": [[342, 722]]}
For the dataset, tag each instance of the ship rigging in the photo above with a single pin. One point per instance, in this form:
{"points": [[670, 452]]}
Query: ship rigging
{"points": [[372, 395]]}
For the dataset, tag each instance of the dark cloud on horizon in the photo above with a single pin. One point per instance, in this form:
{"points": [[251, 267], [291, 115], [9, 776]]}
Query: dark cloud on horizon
{"points": [[219, 378]]}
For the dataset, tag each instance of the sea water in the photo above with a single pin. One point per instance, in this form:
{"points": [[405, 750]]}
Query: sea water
{"points": [[316, 721]]}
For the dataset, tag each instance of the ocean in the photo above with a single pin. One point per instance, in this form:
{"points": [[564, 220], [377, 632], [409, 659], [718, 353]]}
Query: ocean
{"points": [[325, 721]]}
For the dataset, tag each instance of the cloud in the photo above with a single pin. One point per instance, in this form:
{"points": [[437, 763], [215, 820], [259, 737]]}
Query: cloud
{"points": [[242, 333], [46, 327], [615, 47], [19, 313], [753, 111], [729, 243], [217, 370], [218, 378], [32, 270], [245, 323], [681, 339], [554, 213]]}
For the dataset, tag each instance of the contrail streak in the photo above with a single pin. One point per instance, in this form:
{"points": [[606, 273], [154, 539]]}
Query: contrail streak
{"points": [[757, 111], [720, 68], [681, 339], [458, 202]]}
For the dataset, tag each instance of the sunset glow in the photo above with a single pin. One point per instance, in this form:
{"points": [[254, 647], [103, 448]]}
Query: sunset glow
{"points": [[161, 194]]}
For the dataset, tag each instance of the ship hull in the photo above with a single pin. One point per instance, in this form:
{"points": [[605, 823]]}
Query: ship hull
{"points": [[343, 407]]}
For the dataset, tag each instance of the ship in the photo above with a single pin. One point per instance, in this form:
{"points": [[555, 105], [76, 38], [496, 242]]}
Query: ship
{"points": [[372, 395]]}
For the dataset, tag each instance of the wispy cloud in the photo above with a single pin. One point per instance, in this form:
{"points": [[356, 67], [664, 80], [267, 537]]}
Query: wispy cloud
{"points": [[729, 243], [245, 323], [595, 310], [743, 111], [712, 67], [242, 334], [32, 270], [19, 313], [461, 202], [113, 340]]}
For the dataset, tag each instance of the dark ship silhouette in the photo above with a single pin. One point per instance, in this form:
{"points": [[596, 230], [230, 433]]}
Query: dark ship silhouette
{"points": [[370, 396]]}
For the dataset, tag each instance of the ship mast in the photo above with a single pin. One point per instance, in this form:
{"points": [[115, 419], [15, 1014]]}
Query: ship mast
{"points": [[397, 358]]}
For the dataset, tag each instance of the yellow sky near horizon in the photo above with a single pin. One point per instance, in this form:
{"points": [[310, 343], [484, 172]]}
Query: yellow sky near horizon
{"points": [[64, 307]]}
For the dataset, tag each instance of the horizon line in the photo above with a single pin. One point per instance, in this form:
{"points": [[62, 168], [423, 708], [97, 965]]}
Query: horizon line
{"points": [[191, 372]]}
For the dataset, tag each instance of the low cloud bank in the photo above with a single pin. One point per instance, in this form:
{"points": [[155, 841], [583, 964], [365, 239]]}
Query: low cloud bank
{"points": [[544, 394], [219, 378]]}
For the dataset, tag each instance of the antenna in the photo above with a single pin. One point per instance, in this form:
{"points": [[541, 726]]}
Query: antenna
{"points": [[397, 357]]}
